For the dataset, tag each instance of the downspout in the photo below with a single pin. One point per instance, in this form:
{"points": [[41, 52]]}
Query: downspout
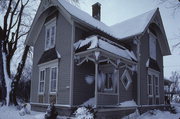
{"points": [[139, 72], [72, 66]]}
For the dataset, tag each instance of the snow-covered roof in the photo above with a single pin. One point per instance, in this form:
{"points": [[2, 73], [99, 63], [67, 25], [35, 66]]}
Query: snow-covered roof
{"points": [[121, 30], [81, 15], [99, 42], [133, 26]]}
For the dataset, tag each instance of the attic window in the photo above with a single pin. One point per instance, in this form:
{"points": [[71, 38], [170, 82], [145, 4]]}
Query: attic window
{"points": [[152, 46], [126, 79], [50, 34]]}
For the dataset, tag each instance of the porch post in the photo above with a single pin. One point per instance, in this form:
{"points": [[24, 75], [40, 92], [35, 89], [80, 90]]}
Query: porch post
{"points": [[96, 82]]}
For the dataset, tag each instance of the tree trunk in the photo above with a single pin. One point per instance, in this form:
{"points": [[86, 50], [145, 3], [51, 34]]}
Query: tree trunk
{"points": [[17, 77], [3, 91]]}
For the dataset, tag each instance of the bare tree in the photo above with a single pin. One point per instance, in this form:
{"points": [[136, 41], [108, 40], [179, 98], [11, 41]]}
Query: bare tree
{"points": [[15, 27], [175, 83], [13, 30]]}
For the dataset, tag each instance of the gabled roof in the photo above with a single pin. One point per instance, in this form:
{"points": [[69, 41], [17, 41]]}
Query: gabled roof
{"points": [[128, 28], [133, 26]]}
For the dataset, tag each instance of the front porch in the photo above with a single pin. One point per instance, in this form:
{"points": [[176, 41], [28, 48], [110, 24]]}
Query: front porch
{"points": [[113, 68]]}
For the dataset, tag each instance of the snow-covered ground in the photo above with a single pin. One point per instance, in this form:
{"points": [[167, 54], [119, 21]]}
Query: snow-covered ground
{"points": [[13, 113]]}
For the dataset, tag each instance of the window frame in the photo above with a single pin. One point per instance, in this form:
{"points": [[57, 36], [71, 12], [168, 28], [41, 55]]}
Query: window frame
{"points": [[151, 48], [108, 69], [48, 26], [153, 73], [128, 77], [40, 70], [50, 92]]}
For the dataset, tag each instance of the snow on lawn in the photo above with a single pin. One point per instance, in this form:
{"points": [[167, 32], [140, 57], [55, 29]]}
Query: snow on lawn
{"points": [[157, 114], [12, 113], [130, 103]]}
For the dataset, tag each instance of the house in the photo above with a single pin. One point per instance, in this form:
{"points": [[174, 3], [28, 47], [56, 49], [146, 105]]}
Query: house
{"points": [[78, 58]]}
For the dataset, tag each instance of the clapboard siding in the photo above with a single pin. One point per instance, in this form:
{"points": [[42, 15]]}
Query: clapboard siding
{"points": [[82, 90], [38, 51], [144, 55], [63, 46]]}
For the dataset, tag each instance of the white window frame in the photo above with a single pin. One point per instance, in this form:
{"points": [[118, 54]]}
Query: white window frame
{"points": [[48, 26], [153, 74], [152, 46], [50, 92], [108, 69], [42, 69], [128, 77]]}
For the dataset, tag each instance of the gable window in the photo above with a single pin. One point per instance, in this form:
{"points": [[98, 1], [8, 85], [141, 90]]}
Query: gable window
{"points": [[42, 81], [126, 79], [53, 80], [50, 34], [152, 46]]}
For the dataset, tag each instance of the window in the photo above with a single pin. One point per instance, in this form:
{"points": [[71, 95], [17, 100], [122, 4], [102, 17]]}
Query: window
{"points": [[50, 34], [126, 79], [150, 85], [53, 80], [153, 87], [152, 46], [42, 82], [109, 81]]}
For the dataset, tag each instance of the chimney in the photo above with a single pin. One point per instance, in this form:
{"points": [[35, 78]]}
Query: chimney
{"points": [[96, 11]]}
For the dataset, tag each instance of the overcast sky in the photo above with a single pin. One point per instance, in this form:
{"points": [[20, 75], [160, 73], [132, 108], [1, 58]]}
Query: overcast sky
{"points": [[120, 10]]}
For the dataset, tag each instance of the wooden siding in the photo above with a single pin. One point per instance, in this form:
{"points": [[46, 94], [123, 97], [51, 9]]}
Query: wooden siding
{"points": [[144, 55], [83, 91], [63, 46], [107, 99], [125, 95]]}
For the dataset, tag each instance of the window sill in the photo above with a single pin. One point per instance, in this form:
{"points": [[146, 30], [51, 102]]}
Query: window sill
{"points": [[107, 93], [52, 93]]}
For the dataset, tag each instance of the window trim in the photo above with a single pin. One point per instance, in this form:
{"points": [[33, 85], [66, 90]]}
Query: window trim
{"points": [[50, 92], [108, 68], [49, 25], [127, 75], [42, 69], [153, 73]]}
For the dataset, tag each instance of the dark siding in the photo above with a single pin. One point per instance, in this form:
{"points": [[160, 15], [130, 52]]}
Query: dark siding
{"points": [[125, 95], [82, 90], [144, 55]]}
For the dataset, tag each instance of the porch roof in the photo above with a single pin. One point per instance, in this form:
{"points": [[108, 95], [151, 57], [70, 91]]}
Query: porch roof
{"points": [[98, 43]]}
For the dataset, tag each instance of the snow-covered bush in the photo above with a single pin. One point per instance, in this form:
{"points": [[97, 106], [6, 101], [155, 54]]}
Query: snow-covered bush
{"points": [[85, 113], [26, 109], [51, 112], [176, 98]]}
